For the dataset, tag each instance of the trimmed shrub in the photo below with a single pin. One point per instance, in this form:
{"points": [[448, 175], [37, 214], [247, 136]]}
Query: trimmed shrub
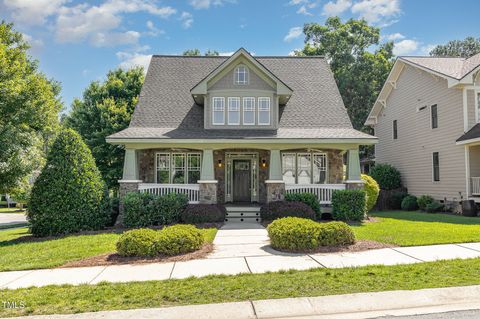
{"points": [[372, 190], [203, 213], [294, 234], [395, 200], [423, 201], [178, 239], [138, 243], [69, 195], [336, 234], [143, 209], [300, 234], [434, 207], [409, 203], [275, 210], [387, 176], [114, 211], [348, 205], [306, 198]]}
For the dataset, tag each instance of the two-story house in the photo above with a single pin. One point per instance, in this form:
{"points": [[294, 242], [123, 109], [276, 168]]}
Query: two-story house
{"points": [[427, 120], [239, 129]]}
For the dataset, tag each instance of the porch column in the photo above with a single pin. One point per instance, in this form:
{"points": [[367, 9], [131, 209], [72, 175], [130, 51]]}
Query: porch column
{"points": [[129, 182], [354, 180], [207, 182], [275, 184]]}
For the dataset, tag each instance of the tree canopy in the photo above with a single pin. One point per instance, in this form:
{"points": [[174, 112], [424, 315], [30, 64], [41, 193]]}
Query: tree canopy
{"points": [[458, 48], [29, 108], [196, 52], [106, 108], [359, 73]]}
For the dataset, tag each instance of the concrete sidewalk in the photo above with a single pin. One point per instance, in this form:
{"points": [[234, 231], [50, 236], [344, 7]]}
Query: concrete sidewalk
{"points": [[351, 306], [11, 219]]}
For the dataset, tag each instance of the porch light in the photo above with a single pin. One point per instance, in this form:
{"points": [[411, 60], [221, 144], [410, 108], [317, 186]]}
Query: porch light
{"points": [[220, 164], [264, 163]]}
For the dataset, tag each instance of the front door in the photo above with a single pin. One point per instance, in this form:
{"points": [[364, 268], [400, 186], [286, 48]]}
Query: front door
{"points": [[241, 181]]}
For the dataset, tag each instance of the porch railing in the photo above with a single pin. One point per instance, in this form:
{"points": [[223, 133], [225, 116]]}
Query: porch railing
{"points": [[322, 191], [476, 186], [191, 190]]}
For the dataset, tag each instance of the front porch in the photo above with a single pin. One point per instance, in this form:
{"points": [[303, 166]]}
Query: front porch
{"points": [[247, 175], [472, 153]]}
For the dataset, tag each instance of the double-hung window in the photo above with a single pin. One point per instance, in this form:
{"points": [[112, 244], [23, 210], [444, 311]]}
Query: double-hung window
{"points": [[249, 111], [263, 111], [233, 111], [178, 168], [163, 168], [304, 168], [218, 110], [434, 115], [395, 130], [436, 167], [241, 75]]}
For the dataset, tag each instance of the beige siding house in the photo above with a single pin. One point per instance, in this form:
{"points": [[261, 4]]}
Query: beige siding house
{"points": [[427, 121], [240, 130]]}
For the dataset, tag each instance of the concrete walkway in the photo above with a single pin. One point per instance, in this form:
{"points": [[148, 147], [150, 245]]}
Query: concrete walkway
{"points": [[351, 306], [239, 248], [10, 219]]}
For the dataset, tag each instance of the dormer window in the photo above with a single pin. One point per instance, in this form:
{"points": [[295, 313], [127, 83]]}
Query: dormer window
{"points": [[263, 111], [218, 111], [241, 75]]}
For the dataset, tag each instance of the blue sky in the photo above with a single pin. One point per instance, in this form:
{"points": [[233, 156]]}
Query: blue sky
{"points": [[79, 41]]}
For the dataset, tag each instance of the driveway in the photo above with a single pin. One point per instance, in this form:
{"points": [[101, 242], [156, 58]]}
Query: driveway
{"points": [[8, 219]]}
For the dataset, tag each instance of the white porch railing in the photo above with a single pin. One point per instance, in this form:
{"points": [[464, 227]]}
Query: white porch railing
{"points": [[476, 186], [322, 191], [191, 190]]}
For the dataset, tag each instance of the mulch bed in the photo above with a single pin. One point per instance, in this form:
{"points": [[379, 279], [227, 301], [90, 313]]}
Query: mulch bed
{"points": [[116, 259], [360, 245]]}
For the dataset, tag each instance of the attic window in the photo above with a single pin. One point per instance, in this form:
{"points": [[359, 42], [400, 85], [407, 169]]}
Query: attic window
{"points": [[241, 75]]}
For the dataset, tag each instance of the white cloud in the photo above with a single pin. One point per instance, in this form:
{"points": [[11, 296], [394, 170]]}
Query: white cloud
{"points": [[297, 2], [293, 33], [32, 12], [332, 8], [393, 36], [130, 60], [405, 47], [303, 10], [226, 53], [187, 19], [35, 44], [153, 30], [425, 50], [377, 11], [205, 4], [101, 39]]}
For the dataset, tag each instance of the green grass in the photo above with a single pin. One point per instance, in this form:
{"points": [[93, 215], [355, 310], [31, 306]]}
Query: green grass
{"points": [[18, 255], [417, 228], [214, 289]]}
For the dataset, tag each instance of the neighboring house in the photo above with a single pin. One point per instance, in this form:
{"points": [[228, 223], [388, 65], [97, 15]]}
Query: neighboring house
{"points": [[427, 120], [239, 129]]}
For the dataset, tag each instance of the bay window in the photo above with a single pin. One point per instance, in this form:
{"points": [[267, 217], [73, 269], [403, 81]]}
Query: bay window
{"points": [[218, 110], [177, 168], [233, 111], [263, 111], [304, 168], [249, 111]]}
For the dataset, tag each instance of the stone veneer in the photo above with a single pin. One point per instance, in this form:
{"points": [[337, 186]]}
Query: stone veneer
{"points": [[275, 191]]}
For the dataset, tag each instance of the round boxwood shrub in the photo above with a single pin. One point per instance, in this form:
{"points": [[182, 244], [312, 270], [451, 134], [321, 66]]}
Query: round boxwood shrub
{"points": [[294, 234], [409, 203], [279, 209], [395, 199], [434, 207], [372, 190], [336, 234], [138, 243], [179, 239], [306, 198], [423, 201], [348, 205], [387, 176], [69, 195], [203, 213]]}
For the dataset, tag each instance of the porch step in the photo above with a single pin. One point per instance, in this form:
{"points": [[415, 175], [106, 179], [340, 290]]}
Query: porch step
{"points": [[242, 214], [231, 208], [241, 219]]}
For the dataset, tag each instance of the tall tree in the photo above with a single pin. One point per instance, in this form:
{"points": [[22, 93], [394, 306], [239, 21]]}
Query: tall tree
{"points": [[29, 108], [458, 48], [196, 52], [106, 108]]}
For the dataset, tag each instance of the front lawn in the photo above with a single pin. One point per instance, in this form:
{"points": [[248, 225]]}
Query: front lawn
{"points": [[215, 289], [17, 252], [416, 228]]}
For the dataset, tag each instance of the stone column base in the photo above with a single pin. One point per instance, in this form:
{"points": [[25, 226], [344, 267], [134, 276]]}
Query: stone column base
{"points": [[354, 184], [126, 186], [275, 190], [207, 192]]}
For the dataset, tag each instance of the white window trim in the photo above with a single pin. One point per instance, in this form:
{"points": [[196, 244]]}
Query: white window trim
{"points": [[431, 117], [238, 110], [170, 168], [266, 98], [213, 110], [312, 155], [253, 109], [247, 75], [433, 168]]}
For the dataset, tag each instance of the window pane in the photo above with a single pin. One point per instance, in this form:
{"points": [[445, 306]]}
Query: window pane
{"points": [[319, 168], [193, 168], [434, 116], [163, 177], [288, 168], [436, 167], [163, 168], [264, 111], [178, 168], [395, 130], [248, 110], [234, 110], [241, 75], [304, 168], [218, 110]]}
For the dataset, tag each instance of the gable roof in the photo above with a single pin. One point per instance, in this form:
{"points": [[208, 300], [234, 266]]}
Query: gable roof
{"points": [[472, 134], [166, 108]]}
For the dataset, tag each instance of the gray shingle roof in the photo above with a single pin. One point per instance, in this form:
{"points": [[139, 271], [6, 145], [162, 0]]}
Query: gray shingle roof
{"points": [[456, 68], [473, 133], [166, 108]]}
